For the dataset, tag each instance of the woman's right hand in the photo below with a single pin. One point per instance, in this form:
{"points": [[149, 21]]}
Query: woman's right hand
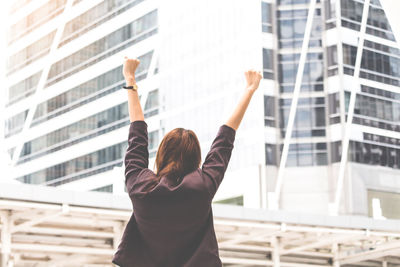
{"points": [[253, 79], [129, 69]]}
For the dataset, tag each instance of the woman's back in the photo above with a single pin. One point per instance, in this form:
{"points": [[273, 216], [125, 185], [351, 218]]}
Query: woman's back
{"points": [[172, 224]]}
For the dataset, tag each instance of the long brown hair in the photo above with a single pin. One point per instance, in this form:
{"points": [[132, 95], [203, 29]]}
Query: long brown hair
{"points": [[178, 154]]}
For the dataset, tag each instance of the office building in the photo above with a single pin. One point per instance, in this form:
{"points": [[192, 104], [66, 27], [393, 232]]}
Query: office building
{"points": [[67, 114]]}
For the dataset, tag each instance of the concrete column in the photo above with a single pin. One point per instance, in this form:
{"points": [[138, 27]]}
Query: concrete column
{"points": [[335, 254], [118, 230], [275, 243], [6, 239], [119, 181]]}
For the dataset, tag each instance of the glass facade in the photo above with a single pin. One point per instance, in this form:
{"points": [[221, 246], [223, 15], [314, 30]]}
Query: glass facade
{"points": [[93, 163], [78, 168], [377, 23], [88, 128], [30, 53], [94, 17], [23, 88], [313, 75], [269, 111], [300, 154], [310, 113], [102, 85], [379, 62], [113, 43], [43, 14], [310, 116], [268, 63], [106, 189], [14, 124], [292, 24], [373, 150], [266, 9], [87, 92]]}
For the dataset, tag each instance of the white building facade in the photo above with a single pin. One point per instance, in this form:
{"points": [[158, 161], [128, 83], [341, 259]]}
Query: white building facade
{"points": [[66, 116]]}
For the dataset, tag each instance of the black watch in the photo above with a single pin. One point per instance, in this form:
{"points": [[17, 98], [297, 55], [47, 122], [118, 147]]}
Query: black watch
{"points": [[133, 87]]}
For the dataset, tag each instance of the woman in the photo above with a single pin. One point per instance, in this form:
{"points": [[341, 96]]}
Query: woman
{"points": [[172, 222]]}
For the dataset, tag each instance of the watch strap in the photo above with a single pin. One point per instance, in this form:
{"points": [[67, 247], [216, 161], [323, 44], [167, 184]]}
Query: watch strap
{"points": [[130, 87]]}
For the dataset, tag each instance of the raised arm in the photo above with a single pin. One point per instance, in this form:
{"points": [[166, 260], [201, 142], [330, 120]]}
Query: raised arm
{"points": [[253, 81], [135, 109], [217, 159], [137, 155]]}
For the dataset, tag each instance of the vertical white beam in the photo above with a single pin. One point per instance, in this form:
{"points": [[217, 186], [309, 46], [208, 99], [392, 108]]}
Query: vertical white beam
{"points": [[119, 181], [118, 229], [354, 88], [339, 48], [263, 186], [300, 71], [275, 243], [6, 239], [42, 81], [335, 255]]}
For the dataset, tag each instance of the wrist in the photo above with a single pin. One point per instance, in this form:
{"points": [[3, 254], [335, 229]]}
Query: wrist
{"points": [[130, 81], [250, 89]]}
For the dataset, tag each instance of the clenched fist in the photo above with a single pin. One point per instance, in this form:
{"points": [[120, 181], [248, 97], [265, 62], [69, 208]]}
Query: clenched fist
{"points": [[253, 79], [130, 66]]}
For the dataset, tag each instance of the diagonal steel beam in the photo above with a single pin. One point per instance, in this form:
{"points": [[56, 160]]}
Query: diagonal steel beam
{"points": [[42, 81], [354, 88], [322, 243], [292, 114], [29, 224], [390, 249]]}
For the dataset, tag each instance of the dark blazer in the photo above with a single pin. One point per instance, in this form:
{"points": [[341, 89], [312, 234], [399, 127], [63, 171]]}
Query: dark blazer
{"points": [[172, 226]]}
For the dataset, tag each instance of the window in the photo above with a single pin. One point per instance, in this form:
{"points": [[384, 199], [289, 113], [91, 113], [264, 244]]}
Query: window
{"points": [[23, 88], [388, 203], [269, 111], [270, 154], [377, 23], [309, 119], [152, 104], [370, 152], [266, 16], [312, 76], [268, 64], [238, 201], [30, 53], [89, 91], [153, 143], [94, 17], [291, 27], [90, 127], [307, 154], [107, 189], [120, 39], [96, 162], [38, 17], [15, 124]]}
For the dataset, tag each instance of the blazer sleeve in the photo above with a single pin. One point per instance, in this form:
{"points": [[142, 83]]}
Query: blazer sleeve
{"points": [[137, 154], [217, 159]]}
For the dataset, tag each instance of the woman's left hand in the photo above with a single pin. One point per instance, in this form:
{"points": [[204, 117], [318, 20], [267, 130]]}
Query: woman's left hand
{"points": [[130, 66]]}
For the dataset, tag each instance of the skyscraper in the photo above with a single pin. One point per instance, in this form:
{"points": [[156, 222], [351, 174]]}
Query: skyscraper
{"points": [[67, 114]]}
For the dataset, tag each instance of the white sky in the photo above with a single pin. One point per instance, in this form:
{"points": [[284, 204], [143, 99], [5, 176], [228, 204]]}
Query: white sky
{"points": [[392, 8]]}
